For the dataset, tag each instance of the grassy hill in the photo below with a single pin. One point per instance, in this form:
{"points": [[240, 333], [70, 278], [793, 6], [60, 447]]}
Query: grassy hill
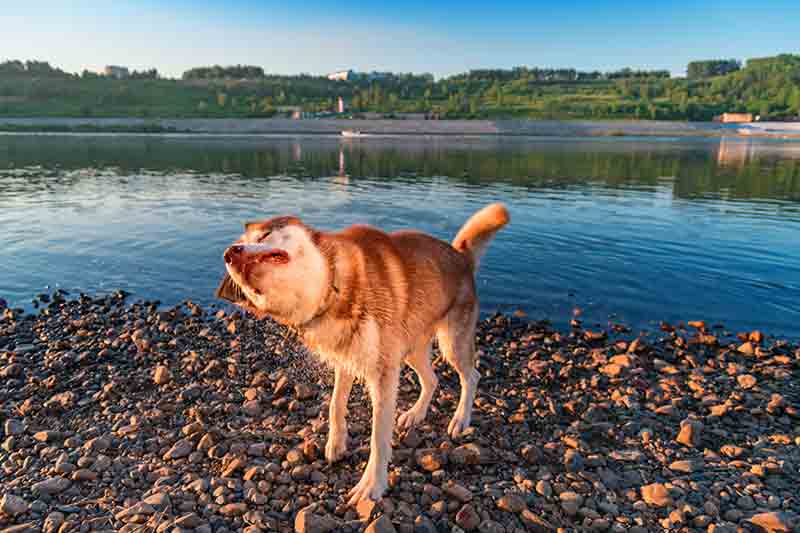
{"points": [[769, 87]]}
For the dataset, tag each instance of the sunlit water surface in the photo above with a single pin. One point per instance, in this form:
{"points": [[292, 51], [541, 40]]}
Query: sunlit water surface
{"points": [[631, 231]]}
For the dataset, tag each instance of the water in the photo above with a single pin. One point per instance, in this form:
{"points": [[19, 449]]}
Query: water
{"points": [[631, 231]]}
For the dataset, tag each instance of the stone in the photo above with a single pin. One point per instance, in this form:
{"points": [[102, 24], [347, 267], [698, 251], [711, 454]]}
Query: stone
{"points": [[233, 509], [771, 521], [746, 381], [570, 502], [467, 517], [13, 427], [430, 459], [690, 433], [656, 494], [12, 505], [381, 524], [53, 485], [180, 449], [188, 521], [468, 454], [53, 522], [161, 375], [459, 492], [511, 503], [84, 474], [134, 510], [307, 521], [536, 523]]}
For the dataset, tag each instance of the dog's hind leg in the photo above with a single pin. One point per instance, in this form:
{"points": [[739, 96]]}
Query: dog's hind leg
{"points": [[420, 361], [456, 337], [337, 423]]}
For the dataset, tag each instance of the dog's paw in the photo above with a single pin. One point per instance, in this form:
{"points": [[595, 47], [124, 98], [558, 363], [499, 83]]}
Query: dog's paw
{"points": [[369, 488], [411, 418], [458, 424], [336, 446]]}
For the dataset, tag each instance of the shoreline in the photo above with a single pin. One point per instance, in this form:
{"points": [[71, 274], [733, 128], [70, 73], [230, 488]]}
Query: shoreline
{"points": [[384, 127], [127, 415]]}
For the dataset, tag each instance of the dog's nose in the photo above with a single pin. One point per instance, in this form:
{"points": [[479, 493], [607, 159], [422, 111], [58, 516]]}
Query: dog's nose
{"points": [[232, 252]]}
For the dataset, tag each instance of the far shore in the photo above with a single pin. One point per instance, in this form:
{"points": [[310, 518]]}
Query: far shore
{"points": [[538, 128]]}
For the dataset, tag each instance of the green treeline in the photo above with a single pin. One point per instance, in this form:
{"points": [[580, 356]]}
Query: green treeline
{"points": [[769, 87]]}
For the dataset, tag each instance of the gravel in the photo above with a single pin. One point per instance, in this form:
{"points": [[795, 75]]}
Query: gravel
{"points": [[121, 416]]}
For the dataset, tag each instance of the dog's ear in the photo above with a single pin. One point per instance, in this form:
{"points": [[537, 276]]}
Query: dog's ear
{"points": [[230, 291], [249, 225]]}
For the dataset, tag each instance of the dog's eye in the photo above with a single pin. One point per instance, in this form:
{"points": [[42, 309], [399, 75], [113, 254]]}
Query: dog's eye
{"points": [[263, 237]]}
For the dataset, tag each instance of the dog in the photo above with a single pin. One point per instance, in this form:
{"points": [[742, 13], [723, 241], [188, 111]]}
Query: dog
{"points": [[365, 302]]}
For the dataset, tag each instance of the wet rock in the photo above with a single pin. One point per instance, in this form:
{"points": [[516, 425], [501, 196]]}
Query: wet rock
{"points": [[233, 509]]}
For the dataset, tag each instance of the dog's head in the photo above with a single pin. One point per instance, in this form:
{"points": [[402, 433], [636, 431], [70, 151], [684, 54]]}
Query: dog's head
{"points": [[277, 269]]}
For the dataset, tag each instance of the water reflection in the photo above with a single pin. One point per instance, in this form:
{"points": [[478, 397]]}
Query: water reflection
{"points": [[638, 229]]}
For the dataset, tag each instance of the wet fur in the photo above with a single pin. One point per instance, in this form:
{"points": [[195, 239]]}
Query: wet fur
{"points": [[367, 302]]}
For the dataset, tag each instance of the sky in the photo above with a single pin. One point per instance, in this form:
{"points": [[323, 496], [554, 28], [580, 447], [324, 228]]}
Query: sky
{"points": [[440, 37]]}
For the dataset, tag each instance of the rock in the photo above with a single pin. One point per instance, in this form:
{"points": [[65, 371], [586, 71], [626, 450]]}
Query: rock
{"points": [[686, 466], [53, 485], [182, 448], [536, 523], [13, 427], [53, 522], [46, 436], [233, 509], [512, 503], [544, 489], [772, 521], [188, 521], [303, 391], [690, 433], [467, 518], [573, 461], [161, 375], [489, 526], [430, 459], [746, 381], [12, 505], [571, 502], [381, 524], [468, 454], [137, 509], [307, 521], [84, 474], [656, 494], [459, 492], [747, 348]]}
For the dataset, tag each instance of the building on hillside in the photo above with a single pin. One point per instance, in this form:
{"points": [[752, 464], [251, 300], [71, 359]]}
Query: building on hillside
{"points": [[114, 71], [341, 75], [734, 117]]}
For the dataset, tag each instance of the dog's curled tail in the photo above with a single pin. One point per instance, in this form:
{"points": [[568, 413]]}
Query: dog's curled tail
{"points": [[474, 236]]}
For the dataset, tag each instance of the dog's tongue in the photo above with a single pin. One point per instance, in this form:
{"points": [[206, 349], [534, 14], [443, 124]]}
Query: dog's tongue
{"points": [[230, 291]]}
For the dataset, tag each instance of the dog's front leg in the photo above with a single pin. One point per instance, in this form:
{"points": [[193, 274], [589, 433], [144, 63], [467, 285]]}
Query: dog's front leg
{"points": [[383, 393], [337, 422]]}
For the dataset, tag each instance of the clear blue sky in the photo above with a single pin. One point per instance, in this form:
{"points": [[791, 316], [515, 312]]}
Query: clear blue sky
{"points": [[442, 37]]}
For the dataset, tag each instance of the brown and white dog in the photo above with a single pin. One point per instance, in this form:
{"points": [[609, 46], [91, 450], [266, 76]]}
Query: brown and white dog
{"points": [[366, 302]]}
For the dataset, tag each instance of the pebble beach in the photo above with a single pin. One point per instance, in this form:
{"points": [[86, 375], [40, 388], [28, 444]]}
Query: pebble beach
{"points": [[129, 416]]}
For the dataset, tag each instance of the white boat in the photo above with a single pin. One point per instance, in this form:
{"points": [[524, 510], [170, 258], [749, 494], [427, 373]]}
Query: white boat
{"points": [[353, 133]]}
